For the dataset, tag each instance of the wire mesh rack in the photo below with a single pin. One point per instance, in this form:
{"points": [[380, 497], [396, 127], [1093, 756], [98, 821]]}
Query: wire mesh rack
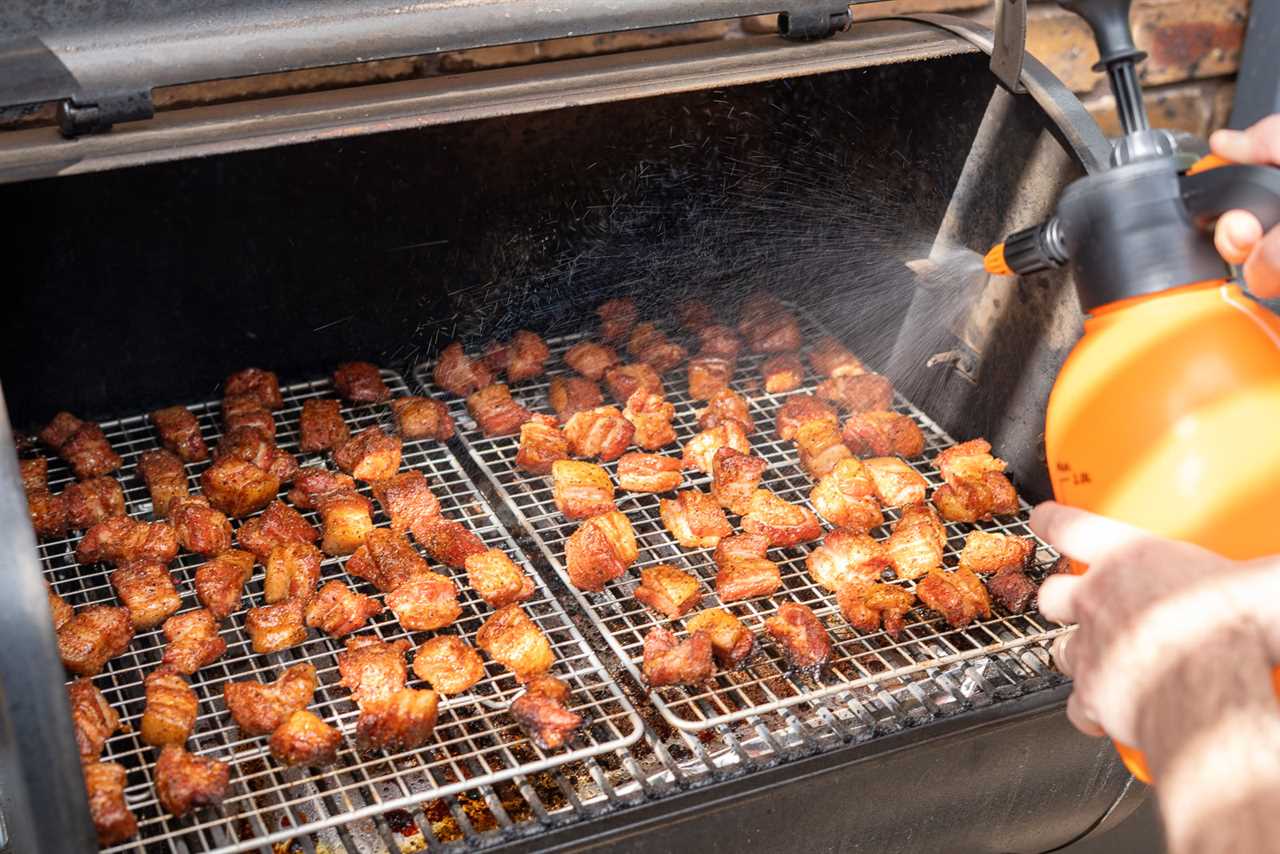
{"points": [[477, 749], [927, 658]]}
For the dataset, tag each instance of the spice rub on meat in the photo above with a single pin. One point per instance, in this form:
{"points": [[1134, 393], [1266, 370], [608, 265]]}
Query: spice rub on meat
{"points": [[570, 394], [406, 499], [800, 634], [257, 446], [370, 455], [82, 444], [915, 546], [146, 588], [700, 451], [278, 525], [976, 487], [422, 418], [516, 642], [360, 382], [448, 542], [172, 708], [185, 781], [311, 484], [639, 472], [373, 669], [651, 415], [521, 358], [670, 661], [94, 499], [846, 557], [255, 384], [600, 550], [602, 432], [668, 590], [386, 560], [958, 596], [858, 392], [305, 739], [403, 721], [320, 426], [829, 358], [625, 380], [495, 411], [821, 448], [448, 664], [651, 345], [846, 497], [458, 373], [238, 488], [985, 552], [59, 610], [258, 708], [782, 373], [897, 484], [617, 316], [872, 605], [293, 571], [92, 637], [782, 523], [104, 783], [723, 406], [338, 610], [120, 540], [708, 376], [179, 432], [581, 490], [346, 519], [591, 359], [695, 519], [166, 480], [541, 711], [731, 641], [496, 579], [94, 719], [220, 582], [542, 442], [275, 627], [880, 433], [743, 570], [800, 409], [427, 601], [193, 641]]}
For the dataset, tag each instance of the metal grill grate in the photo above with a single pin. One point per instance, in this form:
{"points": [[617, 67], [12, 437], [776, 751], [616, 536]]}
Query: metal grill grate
{"points": [[929, 655], [476, 746]]}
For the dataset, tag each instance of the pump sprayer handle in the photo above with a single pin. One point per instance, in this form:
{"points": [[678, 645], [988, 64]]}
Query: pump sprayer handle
{"points": [[1209, 193]]}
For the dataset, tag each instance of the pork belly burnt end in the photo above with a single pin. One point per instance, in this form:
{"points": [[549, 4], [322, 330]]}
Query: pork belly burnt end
{"points": [[305, 739], [495, 411], [581, 490], [700, 451], [871, 605], [800, 634], [386, 560], [193, 641], [496, 579], [695, 519], [245, 411], [321, 427], [521, 358], [513, 640], [360, 382], [821, 448], [185, 781], [337, 610], [48, 512], [651, 345], [425, 602], [346, 518], [121, 540], [601, 432], [277, 525], [651, 415], [800, 409], [448, 664], [915, 546], [958, 596], [718, 340], [402, 721], [591, 359], [726, 405], [743, 570], [570, 394], [256, 384], [82, 444], [897, 484], [59, 610], [985, 552], [311, 484], [830, 358], [670, 661], [92, 637], [422, 418], [783, 523], [731, 641], [94, 719], [709, 375], [276, 627], [373, 669], [95, 499], [370, 455], [104, 782], [238, 488], [541, 711], [617, 316], [258, 708], [254, 445], [971, 459], [879, 433], [199, 527], [782, 373], [220, 582], [458, 373], [600, 550], [146, 589], [846, 557], [172, 708], [859, 392], [406, 500], [975, 499], [179, 432], [541, 444], [649, 472], [1012, 588], [668, 590], [625, 380], [846, 497], [166, 480], [448, 541], [777, 333]]}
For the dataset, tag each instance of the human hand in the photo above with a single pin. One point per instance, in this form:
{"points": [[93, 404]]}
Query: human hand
{"points": [[1238, 235]]}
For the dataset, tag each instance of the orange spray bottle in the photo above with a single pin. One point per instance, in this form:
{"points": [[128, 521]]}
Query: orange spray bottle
{"points": [[1166, 415]]}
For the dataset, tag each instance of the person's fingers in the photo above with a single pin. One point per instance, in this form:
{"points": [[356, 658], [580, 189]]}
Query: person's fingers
{"points": [[1060, 652], [1262, 269], [1057, 597], [1235, 235], [1080, 535], [1258, 144], [1080, 717]]}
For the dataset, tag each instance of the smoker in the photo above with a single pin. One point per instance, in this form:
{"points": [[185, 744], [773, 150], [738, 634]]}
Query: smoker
{"points": [[153, 253]]}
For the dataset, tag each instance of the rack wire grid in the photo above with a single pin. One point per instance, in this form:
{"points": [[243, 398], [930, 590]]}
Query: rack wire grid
{"points": [[476, 744], [861, 665]]}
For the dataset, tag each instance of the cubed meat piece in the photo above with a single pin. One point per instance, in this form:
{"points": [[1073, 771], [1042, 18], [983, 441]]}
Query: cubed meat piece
{"points": [[185, 781], [403, 721], [591, 359], [650, 345], [671, 661], [449, 664], [277, 525], [360, 382], [881, 433], [246, 412], [541, 444], [59, 610], [1012, 589], [82, 444], [783, 523], [743, 571], [258, 708], [801, 409], [975, 499], [369, 455], [581, 490], [458, 373], [829, 358], [570, 394], [257, 384], [305, 739], [425, 602], [112, 820], [541, 712], [448, 542], [146, 589], [755, 307], [986, 553], [782, 373], [495, 412], [56, 433], [200, 529], [48, 513], [897, 484], [700, 451], [617, 316], [406, 499], [346, 518], [422, 418], [293, 571], [276, 627], [92, 637], [846, 557], [776, 333], [695, 314], [337, 610], [731, 641], [179, 432], [916, 544], [649, 472], [373, 669], [220, 582], [521, 358], [709, 375], [871, 605], [601, 432], [35, 474], [238, 488], [600, 550], [651, 415], [821, 448], [846, 497], [172, 708], [312, 484], [801, 636], [92, 500], [967, 461], [668, 590], [858, 392], [94, 719], [166, 480], [958, 596], [513, 640], [726, 405], [625, 380], [193, 640], [254, 445], [496, 579], [719, 341], [121, 540], [695, 519], [386, 560], [321, 427]]}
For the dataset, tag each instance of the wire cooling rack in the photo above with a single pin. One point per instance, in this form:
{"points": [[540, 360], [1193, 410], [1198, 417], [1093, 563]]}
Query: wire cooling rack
{"points": [[476, 741], [860, 661]]}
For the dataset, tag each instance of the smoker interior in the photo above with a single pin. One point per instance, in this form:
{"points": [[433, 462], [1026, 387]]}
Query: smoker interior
{"points": [[146, 286]]}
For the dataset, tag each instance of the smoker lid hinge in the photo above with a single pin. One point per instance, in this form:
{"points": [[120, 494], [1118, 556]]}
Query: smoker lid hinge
{"points": [[814, 21], [79, 115], [1010, 47]]}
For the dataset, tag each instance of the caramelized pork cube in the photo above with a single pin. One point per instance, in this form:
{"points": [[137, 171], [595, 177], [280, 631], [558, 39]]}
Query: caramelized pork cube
{"points": [[650, 345], [858, 392], [846, 497], [94, 499], [245, 411], [257, 384], [277, 525], [1012, 588], [256, 446], [293, 571], [801, 409], [258, 708], [602, 432], [346, 518], [336, 610], [986, 553], [870, 605], [731, 641], [496, 579], [373, 669], [591, 359], [916, 544], [726, 405], [671, 661], [516, 642], [600, 550], [305, 739], [695, 314], [92, 637], [897, 484], [830, 358], [172, 707], [88, 452], [112, 820], [220, 582], [617, 316], [449, 664], [370, 455], [541, 712], [735, 478], [458, 373], [782, 373], [276, 627], [709, 375], [967, 460], [447, 541], [571, 394], [360, 382], [94, 719], [425, 602], [422, 418], [403, 721], [185, 781], [321, 427], [59, 610], [700, 451], [668, 590], [881, 433], [625, 380], [406, 499], [495, 412], [743, 571], [541, 444], [581, 490], [146, 589], [651, 414], [121, 540], [387, 560], [649, 472], [48, 512], [238, 488], [695, 519], [56, 433], [800, 634], [783, 523], [776, 333], [193, 640], [522, 358], [166, 480], [958, 596], [974, 499], [846, 557], [821, 448], [200, 528], [179, 432], [719, 341], [312, 484]]}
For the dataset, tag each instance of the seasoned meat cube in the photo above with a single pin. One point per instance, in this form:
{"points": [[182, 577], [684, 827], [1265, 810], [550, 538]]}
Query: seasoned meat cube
{"points": [[320, 426], [880, 433], [199, 528], [846, 497], [146, 589], [276, 627], [312, 484], [581, 489], [568, 395], [360, 382], [726, 405], [1012, 588], [591, 359], [695, 314], [858, 392], [695, 519], [338, 610], [35, 474], [407, 499], [92, 637], [700, 451], [346, 518], [601, 432], [830, 358], [743, 570], [448, 541], [783, 372], [403, 721], [668, 590], [649, 344], [541, 712], [386, 559], [82, 444], [513, 640], [625, 380], [821, 448], [422, 418], [258, 708], [784, 524], [112, 820], [185, 781], [801, 409], [92, 500], [238, 488], [59, 610], [262, 386], [985, 552], [731, 641], [120, 540], [776, 333], [305, 739], [369, 455], [600, 550], [293, 571], [651, 414], [972, 499], [94, 719], [220, 582], [709, 375], [671, 661], [496, 579], [179, 432], [372, 669], [458, 373], [277, 525], [166, 480], [56, 433], [958, 596], [649, 472], [425, 602], [541, 444], [800, 634], [719, 341], [246, 412], [449, 664], [967, 460], [617, 316], [916, 544], [193, 640], [171, 710], [495, 412], [48, 513], [868, 605], [254, 445], [846, 557], [897, 484], [522, 358]]}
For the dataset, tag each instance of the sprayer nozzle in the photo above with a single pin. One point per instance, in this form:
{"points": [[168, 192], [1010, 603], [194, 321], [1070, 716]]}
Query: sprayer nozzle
{"points": [[994, 261]]}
